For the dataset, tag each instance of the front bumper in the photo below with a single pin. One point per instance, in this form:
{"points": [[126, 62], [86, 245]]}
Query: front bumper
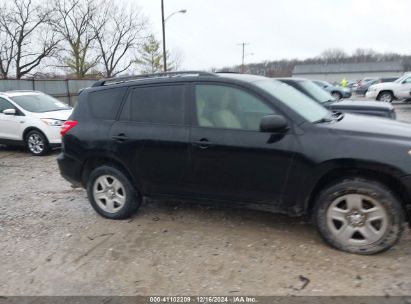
{"points": [[371, 94], [53, 134], [346, 94], [70, 169]]}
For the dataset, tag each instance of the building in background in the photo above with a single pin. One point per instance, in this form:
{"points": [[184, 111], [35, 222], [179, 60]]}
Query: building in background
{"points": [[350, 71]]}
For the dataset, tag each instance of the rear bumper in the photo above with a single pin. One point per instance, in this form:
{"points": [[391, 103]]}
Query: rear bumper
{"points": [[70, 169]]}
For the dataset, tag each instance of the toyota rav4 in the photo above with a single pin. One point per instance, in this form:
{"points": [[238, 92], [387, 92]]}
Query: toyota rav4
{"points": [[240, 140]]}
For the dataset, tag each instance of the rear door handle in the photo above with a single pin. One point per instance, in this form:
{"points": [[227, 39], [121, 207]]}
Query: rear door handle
{"points": [[203, 143], [120, 138]]}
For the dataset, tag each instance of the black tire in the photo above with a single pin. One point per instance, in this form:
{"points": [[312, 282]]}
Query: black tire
{"points": [[131, 201], [337, 95], [375, 194], [37, 143], [386, 96]]}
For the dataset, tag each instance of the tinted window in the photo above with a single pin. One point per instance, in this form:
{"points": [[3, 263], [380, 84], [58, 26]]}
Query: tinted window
{"points": [[228, 107], [104, 104], [4, 105], [160, 105]]}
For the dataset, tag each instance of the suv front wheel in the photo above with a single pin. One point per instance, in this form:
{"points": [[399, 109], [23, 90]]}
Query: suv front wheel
{"points": [[37, 143], [359, 216], [111, 194]]}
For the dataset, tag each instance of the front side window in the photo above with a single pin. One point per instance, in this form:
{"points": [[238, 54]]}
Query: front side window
{"points": [[39, 103], [158, 105], [311, 110], [228, 108], [5, 105]]}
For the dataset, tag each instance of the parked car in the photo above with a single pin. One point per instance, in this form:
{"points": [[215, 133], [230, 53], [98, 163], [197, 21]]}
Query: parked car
{"points": [[32, 119], [240, 141], [362, 86], [312, 90], [390, 91], [365, 84], [336, 91]]}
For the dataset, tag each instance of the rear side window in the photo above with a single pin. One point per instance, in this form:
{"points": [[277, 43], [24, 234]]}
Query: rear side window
{"points": [[159, 105], [104, 104]]}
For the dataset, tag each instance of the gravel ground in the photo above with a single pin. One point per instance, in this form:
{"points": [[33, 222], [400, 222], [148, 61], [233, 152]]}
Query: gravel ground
{"points": [[53, 243]]}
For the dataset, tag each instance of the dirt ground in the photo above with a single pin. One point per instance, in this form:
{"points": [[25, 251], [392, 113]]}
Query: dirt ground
{"points": [[53, 243]]}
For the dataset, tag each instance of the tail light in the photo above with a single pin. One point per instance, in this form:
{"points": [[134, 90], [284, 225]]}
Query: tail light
{"points": [[67, 126]]}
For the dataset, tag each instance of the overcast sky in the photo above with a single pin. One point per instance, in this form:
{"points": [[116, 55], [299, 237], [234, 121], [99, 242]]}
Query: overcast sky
{"points": [[208, 34]]}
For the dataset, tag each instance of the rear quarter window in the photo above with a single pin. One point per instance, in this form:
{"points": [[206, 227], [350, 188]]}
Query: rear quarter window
{"points": [[104, 104]]}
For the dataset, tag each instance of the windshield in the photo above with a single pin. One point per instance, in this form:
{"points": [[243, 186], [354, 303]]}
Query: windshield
{"points": [[401, 79], [315, 91], [39, 103], [295, 100]]}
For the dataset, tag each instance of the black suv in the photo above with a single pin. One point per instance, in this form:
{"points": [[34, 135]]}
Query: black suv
{"points": [[240, 140]]}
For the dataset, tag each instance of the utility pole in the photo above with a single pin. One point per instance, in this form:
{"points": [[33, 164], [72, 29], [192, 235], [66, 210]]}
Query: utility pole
{"points": [[243, 45], [164, 36]]}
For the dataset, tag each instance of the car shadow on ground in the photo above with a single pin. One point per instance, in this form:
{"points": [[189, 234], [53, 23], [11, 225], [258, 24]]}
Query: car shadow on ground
{"points": [[22, 149]]}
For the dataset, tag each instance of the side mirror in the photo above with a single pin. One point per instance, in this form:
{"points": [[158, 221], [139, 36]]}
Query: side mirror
{"points": [[9, 112], [273, 123]]}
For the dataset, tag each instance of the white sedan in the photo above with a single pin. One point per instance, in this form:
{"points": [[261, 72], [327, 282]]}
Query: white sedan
{"points": [[32, 119]]}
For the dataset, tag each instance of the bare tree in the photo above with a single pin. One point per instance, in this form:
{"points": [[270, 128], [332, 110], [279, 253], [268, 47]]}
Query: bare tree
{"points": [[364, 55], [74, 25], [26, 37], [334, 55], [7, 53], [118, 31]]}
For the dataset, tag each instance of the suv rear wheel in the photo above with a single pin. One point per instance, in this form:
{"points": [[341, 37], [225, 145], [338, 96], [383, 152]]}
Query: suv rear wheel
{"points": [[359, 216], [37, 143], [111, 194]]}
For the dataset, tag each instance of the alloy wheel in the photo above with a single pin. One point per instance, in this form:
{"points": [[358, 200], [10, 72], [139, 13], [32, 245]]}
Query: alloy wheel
{"points": [[386, 97], [36, 143]]}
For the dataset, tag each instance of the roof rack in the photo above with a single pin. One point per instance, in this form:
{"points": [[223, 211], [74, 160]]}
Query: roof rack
{"points": [[116, 80]]}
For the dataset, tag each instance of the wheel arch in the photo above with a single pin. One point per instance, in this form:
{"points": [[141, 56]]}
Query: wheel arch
{"points": [[29, 129], [92, 162], [386, 91], [384, 175], [336, 92]]}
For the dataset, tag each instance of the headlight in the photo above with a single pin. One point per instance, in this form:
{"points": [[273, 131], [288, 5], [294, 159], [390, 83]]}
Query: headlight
{"points": [[52, 122]]}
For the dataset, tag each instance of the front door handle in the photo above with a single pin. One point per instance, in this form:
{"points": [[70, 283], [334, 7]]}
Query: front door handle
{"points": [[203, 143], [120, 138]]}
